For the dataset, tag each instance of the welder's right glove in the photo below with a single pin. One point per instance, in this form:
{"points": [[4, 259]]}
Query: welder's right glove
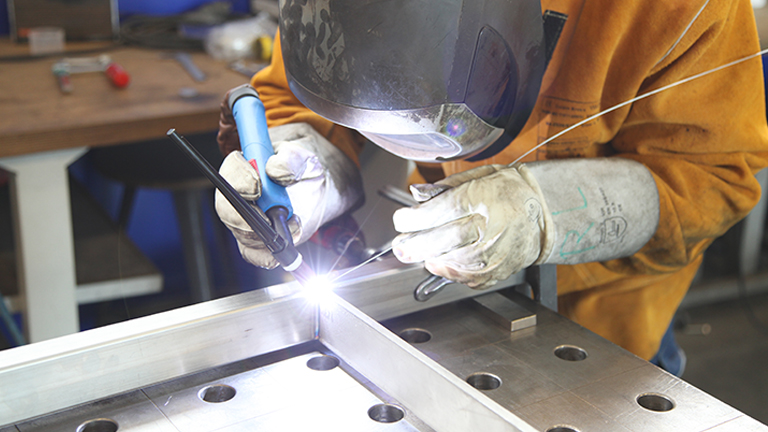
{"points": [[480, 226], [321, 181]]}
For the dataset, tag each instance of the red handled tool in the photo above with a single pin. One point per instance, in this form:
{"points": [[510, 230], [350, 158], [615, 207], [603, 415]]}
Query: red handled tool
{"points": [[103, 63]]}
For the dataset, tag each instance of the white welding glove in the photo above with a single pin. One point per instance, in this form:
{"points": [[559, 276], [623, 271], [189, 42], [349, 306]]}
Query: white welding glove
{"points": [[321, 181], [483, 225], [480, 226]]}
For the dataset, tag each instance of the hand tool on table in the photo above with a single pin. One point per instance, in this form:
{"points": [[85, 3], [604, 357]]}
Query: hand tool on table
{"points": [[185, 60], [282, 248], [103, 63]]}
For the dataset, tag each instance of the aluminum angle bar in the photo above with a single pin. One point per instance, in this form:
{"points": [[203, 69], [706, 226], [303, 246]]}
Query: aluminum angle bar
{"points": [[432, 393], [384, 289], [59, 373]]}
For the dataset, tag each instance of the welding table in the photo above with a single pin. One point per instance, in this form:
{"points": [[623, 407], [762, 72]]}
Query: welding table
{"points": [[42, 131], [273, 360]]}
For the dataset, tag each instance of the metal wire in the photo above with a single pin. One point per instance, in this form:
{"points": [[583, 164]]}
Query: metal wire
{"points": [[635, 99]]}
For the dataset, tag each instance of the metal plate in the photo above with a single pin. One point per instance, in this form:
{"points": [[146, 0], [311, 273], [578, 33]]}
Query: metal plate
{"points": [[461, 370], [83, 367], [79, 368], [559, 376], [129, 412], [286, 395]]}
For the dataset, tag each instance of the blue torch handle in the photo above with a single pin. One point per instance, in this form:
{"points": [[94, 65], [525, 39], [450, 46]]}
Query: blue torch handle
{"points": [[251, 122]]}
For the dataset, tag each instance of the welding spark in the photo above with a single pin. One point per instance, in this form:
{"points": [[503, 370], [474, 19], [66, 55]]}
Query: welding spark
{"points": [[318, 289]]}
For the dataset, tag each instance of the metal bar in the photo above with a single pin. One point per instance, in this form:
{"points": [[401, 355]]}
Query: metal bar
{"points": [[410, 376], [384, 289], [543, 280], [510, 315], [83, 367]]}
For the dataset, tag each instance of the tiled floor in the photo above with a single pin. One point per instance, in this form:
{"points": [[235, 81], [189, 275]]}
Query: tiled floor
{"points": [[728, 353]]}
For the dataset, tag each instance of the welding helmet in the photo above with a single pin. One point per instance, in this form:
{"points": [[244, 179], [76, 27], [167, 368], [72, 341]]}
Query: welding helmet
{"points": [[428, 80]]}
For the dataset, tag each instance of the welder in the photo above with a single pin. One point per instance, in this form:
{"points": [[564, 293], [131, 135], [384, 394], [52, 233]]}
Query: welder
{"points": [[625, 204]]}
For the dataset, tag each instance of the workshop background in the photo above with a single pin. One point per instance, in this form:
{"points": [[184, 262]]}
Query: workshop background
{"points": [[722, 325]]}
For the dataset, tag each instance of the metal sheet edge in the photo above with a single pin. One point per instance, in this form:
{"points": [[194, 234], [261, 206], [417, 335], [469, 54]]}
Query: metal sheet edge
{"points": [[410, 376], [70, 370]]}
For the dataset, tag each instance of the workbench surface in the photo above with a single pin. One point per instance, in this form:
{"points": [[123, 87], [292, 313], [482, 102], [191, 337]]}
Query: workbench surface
{"points": [[42, 131], [36, 116]]}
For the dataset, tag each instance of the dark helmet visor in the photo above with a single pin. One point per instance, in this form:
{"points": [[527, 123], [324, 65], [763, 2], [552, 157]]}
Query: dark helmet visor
{"points": [[381, 66]]}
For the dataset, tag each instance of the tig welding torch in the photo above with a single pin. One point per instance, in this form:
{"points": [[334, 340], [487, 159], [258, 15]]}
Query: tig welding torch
{"points": [[282, 248]]}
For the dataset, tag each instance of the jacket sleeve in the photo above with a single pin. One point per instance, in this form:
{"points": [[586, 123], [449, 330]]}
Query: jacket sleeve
{"points": [[283, 107], [702, 140]]}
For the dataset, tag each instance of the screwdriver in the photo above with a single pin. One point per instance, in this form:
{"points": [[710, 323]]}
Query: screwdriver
{"points": [[281, 248]]}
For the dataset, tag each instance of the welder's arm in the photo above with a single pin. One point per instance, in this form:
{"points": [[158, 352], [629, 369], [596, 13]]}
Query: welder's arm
{"points": [[482, 225], [321, 181]]}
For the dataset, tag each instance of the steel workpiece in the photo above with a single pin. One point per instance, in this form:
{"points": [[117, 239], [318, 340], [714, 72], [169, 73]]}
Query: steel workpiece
{"points": [[379, 361]]}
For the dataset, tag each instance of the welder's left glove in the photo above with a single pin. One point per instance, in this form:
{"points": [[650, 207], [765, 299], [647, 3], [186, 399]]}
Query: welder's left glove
{"points": [[483, 225], [480, 226]]}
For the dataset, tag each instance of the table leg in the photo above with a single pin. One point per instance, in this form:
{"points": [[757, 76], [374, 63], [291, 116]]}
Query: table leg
{"points": [[44, 241]]}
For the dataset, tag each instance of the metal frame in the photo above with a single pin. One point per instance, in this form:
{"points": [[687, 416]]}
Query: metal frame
{"points": [[557, 375], [83, 367]]}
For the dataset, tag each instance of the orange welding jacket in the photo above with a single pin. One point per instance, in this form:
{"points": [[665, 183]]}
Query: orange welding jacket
{"points": [[703, 141]]}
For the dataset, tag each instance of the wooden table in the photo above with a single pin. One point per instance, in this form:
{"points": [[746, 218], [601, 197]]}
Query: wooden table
{"points": [[42, 131]]}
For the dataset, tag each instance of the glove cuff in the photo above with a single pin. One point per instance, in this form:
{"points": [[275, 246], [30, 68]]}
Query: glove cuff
{"points": [[546, 224]]}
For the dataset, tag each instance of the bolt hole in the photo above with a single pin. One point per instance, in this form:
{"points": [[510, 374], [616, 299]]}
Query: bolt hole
{"points": [[571, 353], [416, 336], [323, 363], [562, 429], [98, 425], [217, 393], [655, 402], [386, 413], [484, 381]]}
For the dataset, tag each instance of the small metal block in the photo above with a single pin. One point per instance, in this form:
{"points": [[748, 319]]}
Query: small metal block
{"points": [[505, 312]]}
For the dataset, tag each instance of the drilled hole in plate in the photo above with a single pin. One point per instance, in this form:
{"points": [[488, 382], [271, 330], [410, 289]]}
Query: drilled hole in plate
{"points": [[386, 413], [323, 363], [217, 393], [415, 336], [655, 402], [484, 381], [571, 353], [562, 429], [98, 425]]}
